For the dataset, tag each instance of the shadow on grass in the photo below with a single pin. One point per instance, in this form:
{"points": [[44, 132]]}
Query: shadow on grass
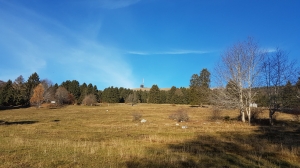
{"points": [[276, 146], [17, 122], [199, 106], [12, 107]]}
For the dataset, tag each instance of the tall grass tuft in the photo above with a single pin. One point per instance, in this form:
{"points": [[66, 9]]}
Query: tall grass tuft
{"points": [[136, 116]]}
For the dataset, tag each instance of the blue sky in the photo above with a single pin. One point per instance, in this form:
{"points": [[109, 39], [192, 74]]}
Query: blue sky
{"points": [[120, 42]]}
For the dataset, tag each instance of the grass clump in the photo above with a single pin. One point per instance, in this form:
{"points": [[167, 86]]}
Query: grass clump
{"points": [[226, 118], [136, 116], [180, 116]]}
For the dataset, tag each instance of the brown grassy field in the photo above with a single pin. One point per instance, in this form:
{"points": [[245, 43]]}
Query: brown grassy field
{"points": [[107, 136]]}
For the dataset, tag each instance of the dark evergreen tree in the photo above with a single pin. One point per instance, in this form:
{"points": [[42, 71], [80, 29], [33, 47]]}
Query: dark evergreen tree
{"points": [[154, 95], [195, 80], [195, 90], [74, 89], [199, 88], [95, 91], [66, 84], [7, 94], [204, 78], [186, 95], [261, 98], [115, 95], [163, 97], [178, 97], [194, 95], [111, 95], [2, 84], [31, 83], [170, 96], [90, 89], [204, 86], [289, 97], [143, 96], [124, 93], [20, 88], [99, 96], [83, 92]]}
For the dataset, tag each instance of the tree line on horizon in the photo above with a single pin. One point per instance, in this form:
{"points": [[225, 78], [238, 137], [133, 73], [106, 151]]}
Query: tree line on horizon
{"points": [[35, 92], [245, 74]]}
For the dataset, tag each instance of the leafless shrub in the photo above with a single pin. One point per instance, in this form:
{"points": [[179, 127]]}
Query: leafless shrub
{"points": [[62, 96], [256, 113], [89, 100], [136, 116], [180, 115], [215, 113]]}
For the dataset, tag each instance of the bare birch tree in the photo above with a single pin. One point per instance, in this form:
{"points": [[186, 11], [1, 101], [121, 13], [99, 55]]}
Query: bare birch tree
{"points": [[254, 58], [239, 68], [277, 71]]}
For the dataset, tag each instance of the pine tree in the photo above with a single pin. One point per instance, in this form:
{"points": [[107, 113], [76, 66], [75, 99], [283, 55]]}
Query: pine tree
{"points": [[74, 89], [90, 89], [7, 94], [20, 88], [194, 90], [199, 88], [163, 97], [204, 79], [83, 92], [154, 94], [31, 83], [171, 93], [289, 99]]}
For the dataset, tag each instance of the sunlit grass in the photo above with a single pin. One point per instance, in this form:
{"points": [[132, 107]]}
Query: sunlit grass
{"points": [[107, 136]]}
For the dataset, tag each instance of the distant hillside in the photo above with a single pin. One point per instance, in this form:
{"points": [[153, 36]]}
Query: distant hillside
{"points": [[148, 89]]}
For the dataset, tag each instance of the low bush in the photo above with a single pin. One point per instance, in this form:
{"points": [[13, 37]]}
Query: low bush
{"points": [[180, 115], [215, 113], [256, 113], [226, 118]]}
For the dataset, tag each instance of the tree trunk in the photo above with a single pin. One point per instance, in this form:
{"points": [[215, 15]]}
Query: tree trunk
{"points": [[271, 112], [248, 110], [243, 115]]}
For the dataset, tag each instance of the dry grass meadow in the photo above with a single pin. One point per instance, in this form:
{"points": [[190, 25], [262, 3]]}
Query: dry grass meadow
{"points": [[107, 136]]}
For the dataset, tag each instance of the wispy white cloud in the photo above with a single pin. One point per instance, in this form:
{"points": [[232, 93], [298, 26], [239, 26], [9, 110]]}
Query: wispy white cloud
{"points": [[30, 46], [172, 52], [112, 4], [138, 53], [270, 50]]}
